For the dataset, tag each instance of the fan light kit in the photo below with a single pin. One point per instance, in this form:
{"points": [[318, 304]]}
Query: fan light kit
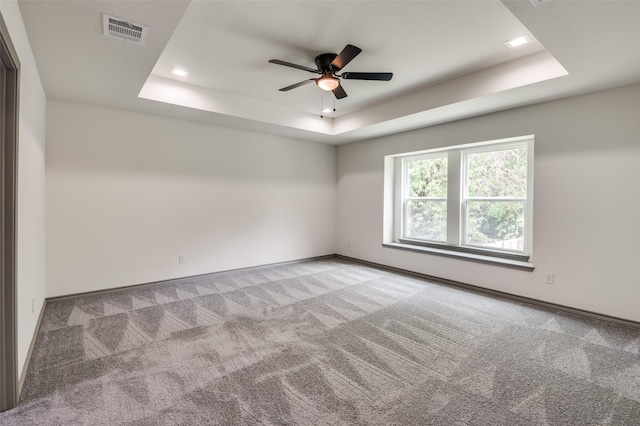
{"points": [[328, 65], [328, 82]]}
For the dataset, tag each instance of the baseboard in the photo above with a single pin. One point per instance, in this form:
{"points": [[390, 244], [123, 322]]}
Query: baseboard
{"points": [[446, 281], [524, 299], [187, 277], [25, 367]]}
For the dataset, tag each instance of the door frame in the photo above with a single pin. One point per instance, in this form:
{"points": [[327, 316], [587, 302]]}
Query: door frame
{"points": [[9, 91]]}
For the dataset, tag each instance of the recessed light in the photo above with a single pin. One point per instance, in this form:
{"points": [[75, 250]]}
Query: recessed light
{"points": [[518, 41], [326, 110], [179, 72]]}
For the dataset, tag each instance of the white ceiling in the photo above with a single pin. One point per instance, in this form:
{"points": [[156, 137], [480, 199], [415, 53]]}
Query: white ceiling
{"points": [[448, 58]]}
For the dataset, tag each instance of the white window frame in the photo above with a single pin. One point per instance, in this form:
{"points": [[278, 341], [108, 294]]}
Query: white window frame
{"points": [[404, 187], [395, 187]]}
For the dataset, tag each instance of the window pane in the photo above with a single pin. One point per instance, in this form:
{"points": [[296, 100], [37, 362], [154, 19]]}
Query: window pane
{"points": [[497, 173], [426, 220], [427, 177], [496, 224]]}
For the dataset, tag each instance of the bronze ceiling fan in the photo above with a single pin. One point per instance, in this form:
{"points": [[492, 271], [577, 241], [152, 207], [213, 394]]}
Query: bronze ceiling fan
{"points": [[329, 65]]}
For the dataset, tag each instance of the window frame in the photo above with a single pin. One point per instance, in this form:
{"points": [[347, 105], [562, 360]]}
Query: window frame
{"points": [[464, 197], [405, 196], [456, 244]]}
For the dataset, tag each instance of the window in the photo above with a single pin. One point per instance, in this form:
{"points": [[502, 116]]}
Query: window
{"points": [[472, 201], [494, 197], [425, 198]]}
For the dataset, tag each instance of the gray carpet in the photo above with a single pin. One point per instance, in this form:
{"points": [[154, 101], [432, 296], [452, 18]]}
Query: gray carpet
{"points": [[324, 342]]}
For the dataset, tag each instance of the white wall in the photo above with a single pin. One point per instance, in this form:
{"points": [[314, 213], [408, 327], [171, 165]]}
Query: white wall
{"points": [[127, 193], [586, 201], [30, 270]]}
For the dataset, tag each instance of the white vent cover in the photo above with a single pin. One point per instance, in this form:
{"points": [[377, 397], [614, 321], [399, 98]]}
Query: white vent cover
{"points": [[124, 30]]}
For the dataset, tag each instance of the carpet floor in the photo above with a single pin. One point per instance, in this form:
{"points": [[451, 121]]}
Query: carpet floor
{"points": [[324, 342]]}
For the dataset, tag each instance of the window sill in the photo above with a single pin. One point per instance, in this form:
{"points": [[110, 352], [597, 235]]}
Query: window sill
{"points": [[489, 260]]}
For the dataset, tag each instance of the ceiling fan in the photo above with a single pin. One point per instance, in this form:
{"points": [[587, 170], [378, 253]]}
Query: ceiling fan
{"points": [[329, 64]]}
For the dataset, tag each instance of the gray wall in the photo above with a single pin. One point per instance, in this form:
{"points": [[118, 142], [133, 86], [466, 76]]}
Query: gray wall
{"points": [[586, 201], [30, 235], [128, 192]]}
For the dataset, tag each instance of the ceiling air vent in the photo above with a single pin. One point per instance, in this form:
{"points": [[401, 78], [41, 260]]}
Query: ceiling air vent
{"points": [[124, 30]]}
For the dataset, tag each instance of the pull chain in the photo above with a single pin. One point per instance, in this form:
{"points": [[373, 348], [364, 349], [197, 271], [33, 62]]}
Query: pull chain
{"points": [[322, 108]]}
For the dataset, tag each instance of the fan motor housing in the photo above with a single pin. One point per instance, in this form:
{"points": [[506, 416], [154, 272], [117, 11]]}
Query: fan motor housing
{"points": [[323, 61]]}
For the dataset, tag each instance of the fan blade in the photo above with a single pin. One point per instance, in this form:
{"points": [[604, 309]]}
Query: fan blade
{"points": [[348, 53], [380, 76], [293, 86], [289, 64], [339, 92]]}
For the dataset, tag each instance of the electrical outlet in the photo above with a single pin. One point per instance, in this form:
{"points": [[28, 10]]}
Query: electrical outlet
{"points": [[348, 243], [548, 277], [33, 306], [182, 258]]}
